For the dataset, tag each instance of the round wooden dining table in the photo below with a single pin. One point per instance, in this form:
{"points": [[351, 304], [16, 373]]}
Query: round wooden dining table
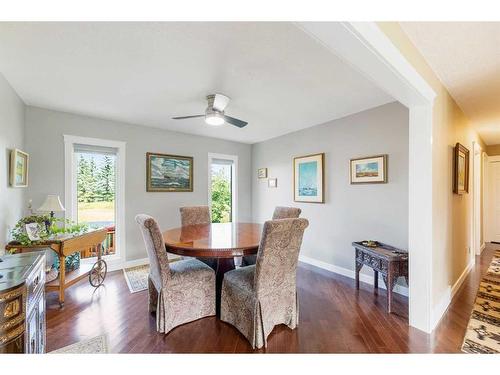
{"points": [[219, 241]]}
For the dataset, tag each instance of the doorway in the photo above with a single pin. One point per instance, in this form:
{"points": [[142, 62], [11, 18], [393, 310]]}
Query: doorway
{"points": [[476, 237], [222, 187], [492, 203]]}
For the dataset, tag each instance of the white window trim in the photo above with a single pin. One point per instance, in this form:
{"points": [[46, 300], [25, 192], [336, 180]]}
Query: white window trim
{"points": [[234, 181], [70, 187]]}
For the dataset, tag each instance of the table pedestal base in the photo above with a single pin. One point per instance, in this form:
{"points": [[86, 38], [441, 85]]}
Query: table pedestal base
{"points": [[223, 265]]}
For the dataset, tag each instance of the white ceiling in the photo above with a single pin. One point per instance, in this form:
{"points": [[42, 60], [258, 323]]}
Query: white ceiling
{"points": [[466, 57], [279, 79]]}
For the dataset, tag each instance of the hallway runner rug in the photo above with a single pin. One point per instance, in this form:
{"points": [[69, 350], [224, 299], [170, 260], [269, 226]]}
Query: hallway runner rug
{"points": [[483, 331]]}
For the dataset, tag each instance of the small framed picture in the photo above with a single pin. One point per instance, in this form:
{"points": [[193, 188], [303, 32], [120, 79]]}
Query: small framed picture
{"points": [[272, 182], [18, 168], [369, 170], [461, 169], [262, 173], [308, 178], [33, 231]]}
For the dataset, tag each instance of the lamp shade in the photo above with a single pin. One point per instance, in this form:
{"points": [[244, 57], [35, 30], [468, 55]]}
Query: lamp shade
{"points": [[52, 204]]}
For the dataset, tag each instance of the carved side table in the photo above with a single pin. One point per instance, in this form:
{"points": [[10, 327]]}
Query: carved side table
{"points": [[391, 262]]}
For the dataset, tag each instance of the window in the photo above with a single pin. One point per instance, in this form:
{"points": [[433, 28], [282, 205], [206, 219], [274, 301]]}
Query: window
{"points": [[222, 187], [94, 189]]}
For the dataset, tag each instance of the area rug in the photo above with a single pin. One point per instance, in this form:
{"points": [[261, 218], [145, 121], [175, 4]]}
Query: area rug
{"points": [[96, 345], [137, 278], [483, 331]]}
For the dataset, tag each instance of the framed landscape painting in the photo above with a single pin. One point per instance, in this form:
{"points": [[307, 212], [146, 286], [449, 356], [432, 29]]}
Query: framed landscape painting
{"points": [[369, 170], [19, 168], [172, 173], [308, 178], [461, 169]]}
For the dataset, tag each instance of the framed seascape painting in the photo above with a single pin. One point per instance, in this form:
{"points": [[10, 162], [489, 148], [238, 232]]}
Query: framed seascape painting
{"points": [[168, 173], [369, 170], [19, 168], [461, 169], [308, 178]]}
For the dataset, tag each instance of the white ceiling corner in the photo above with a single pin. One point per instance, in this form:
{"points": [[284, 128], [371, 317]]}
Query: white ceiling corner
{"points": [[466, 58]]}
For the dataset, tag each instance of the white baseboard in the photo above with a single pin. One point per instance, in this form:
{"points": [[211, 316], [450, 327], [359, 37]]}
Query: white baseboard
{"points": [[460, 280], [350, 273], [482, 248], [115, 266], [440, 309], [136, 262]]}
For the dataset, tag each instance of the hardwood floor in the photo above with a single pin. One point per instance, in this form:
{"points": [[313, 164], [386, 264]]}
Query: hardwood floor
{"points": [[334, 318]]}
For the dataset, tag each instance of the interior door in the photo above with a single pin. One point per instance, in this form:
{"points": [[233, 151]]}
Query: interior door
{"points": [[494, 201]]}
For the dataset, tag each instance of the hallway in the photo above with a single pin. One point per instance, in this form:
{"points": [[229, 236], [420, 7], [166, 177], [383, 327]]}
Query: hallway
{"points": [[448, 336]]}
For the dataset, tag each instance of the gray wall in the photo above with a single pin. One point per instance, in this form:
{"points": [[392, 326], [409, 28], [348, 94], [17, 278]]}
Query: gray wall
{"points": [[11, 136], [44, 141], [351, 212]]}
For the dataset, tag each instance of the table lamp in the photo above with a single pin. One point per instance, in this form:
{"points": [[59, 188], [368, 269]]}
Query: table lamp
{"points": [[52, 204]]}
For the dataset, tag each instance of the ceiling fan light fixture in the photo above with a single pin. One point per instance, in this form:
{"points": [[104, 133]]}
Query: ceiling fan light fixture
{"points": [[214, 113], [214, 119]]}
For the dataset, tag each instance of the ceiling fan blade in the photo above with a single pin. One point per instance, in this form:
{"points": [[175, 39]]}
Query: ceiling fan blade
{"points": [[220, 102], [235, 121], [185, 117]]}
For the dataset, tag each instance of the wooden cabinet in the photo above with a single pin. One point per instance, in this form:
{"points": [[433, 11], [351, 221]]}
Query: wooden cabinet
{"points": [[22, 303]]}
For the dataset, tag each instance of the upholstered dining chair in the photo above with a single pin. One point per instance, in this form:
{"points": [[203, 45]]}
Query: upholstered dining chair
{"points": [[286, 212], [179, 292], [257, 298], [279, 213], [196, 215]]}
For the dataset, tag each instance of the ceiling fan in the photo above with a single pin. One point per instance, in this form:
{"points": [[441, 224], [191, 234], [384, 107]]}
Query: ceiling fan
{"points": [[214, 114]]}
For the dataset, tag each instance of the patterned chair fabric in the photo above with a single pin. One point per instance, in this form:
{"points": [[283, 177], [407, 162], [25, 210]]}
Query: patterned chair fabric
{"points": [[179, 292], [257, 298], [195, 215], [279, 213], [286, 213]]}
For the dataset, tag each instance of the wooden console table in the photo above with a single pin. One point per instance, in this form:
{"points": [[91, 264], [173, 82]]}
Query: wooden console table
{"points": [[389, 261], [63, 247]]}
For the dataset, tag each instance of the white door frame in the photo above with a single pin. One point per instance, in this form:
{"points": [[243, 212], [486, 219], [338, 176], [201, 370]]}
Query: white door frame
{"points": [[366, 48], [484, 192], [117, 259], [475, 247], [488, 224], [234, 182]]}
